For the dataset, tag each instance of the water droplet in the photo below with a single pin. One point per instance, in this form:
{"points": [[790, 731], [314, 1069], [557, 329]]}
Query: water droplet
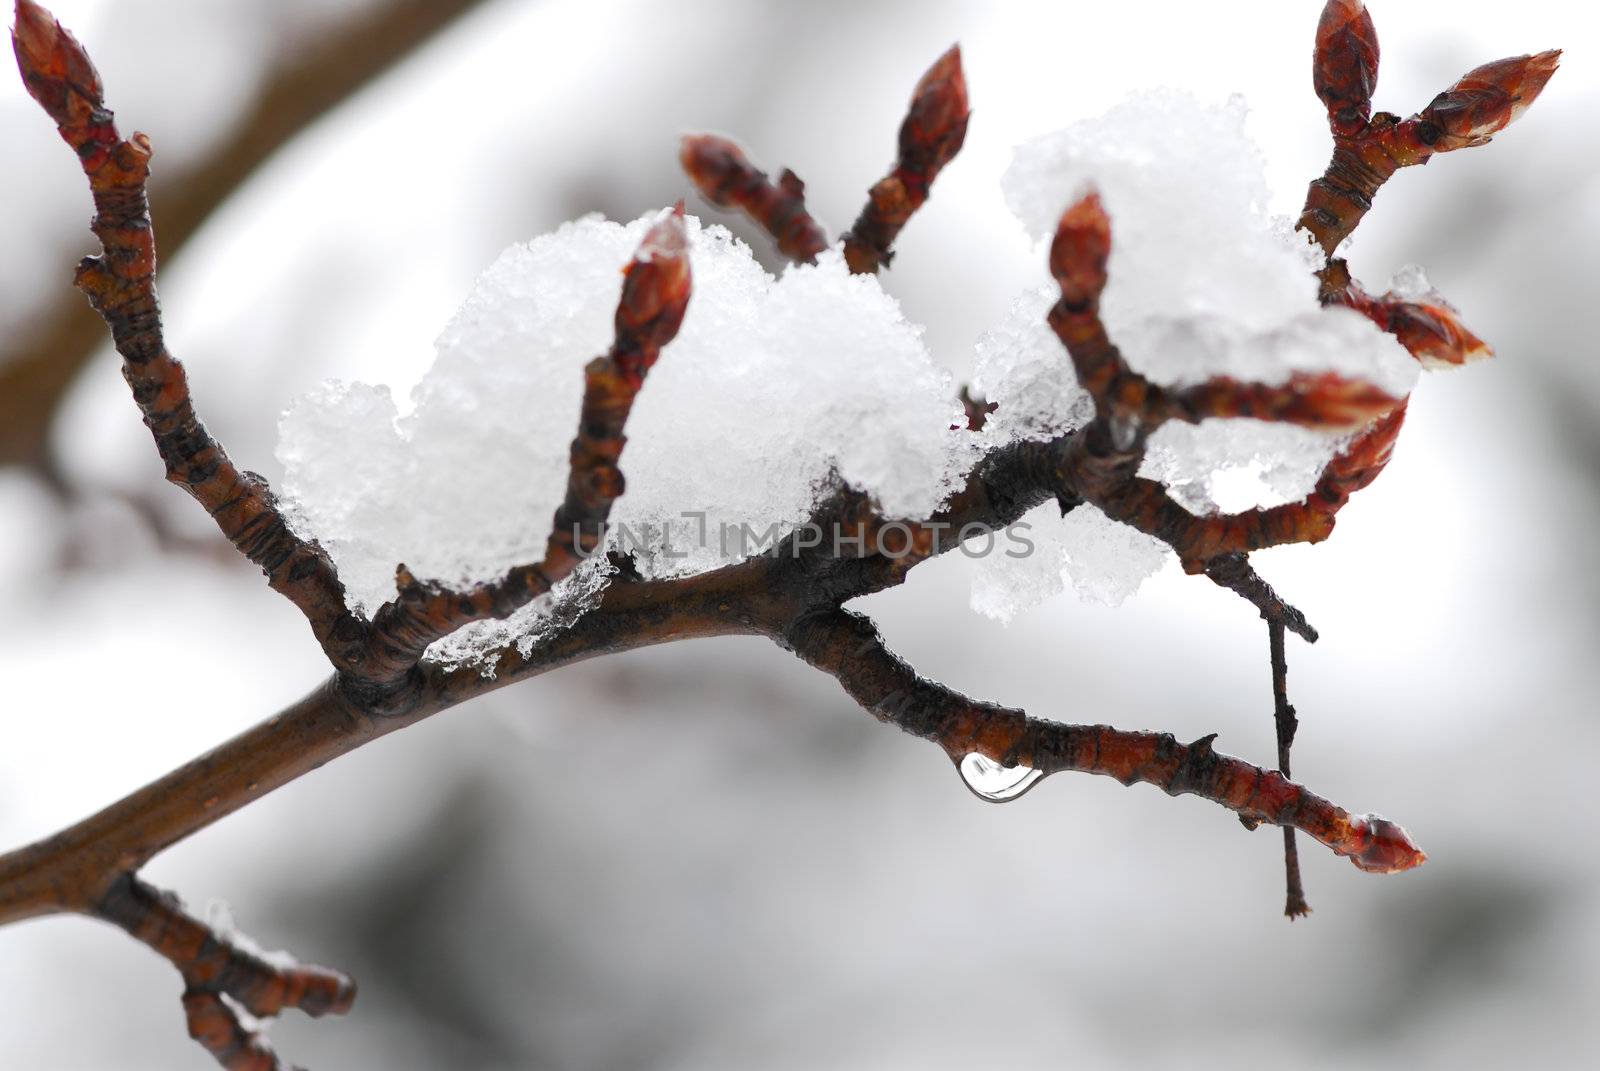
{"points": [[995, 783]]}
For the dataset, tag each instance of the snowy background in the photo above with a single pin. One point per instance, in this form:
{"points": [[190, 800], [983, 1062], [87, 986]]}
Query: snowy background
{"points": [[704, 856]]}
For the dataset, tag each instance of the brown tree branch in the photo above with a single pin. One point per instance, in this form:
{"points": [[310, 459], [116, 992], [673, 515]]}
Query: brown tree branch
{"points": [[1285, 723], [215, 970], [120, 284], [1368, 149], [42, 359], [793, 594], [847, 646]]}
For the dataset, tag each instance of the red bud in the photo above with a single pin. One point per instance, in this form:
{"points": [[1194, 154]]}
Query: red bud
{"points": [[54, 66], [936, 123], [1435, 335], [655, 289], [716, 166], [1344, 67], [1486, 100], [1080, 251], [1386, 848]]}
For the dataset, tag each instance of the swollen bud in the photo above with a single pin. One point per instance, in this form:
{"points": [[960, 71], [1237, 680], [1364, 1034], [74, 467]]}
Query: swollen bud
{"points": [[54, 66], [1384, 846], [716, 166], [1434, 334], [655, 290], [726, 178], [1344, 68], [1080, 251], [936, 123], [1485, 101]]}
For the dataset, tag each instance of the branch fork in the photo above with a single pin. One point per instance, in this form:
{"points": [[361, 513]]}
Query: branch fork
{"points": [[794, 594]]}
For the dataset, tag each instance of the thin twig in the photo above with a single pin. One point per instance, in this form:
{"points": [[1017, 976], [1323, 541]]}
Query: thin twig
{"points": [[793, 595], [1286, 723]]}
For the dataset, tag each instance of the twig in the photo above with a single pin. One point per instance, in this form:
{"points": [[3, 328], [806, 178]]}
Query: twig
{"points": [[1368, 149], [655, 295], [930, 137], [1286, 723], [934, 129], [793, 595], [216, 970], [726, 177], [120, 284], [848, 647], [1234, 572]]}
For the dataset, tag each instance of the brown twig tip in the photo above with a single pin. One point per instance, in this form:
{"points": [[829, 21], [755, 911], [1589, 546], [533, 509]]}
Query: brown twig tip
{"points": [[934, 129], [1344, 68], [1486, 100], [724, 176], [1080, 251], [55, 68], [1383, 847], [936, 123]]}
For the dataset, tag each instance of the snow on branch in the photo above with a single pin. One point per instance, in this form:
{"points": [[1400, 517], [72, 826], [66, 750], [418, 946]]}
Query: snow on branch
{"points": [[798, 448]]}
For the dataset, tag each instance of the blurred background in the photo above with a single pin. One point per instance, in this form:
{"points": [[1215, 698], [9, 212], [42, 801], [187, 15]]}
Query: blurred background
{"points": [[704, 856]]}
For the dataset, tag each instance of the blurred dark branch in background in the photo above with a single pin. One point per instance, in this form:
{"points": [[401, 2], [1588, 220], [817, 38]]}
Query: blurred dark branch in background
{"points": [[39, 363]]}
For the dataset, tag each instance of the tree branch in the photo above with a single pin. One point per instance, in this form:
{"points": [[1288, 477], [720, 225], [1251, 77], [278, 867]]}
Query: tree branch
{"points": [[1368, 149], [120, 284], [216, 969], [847, 646], [793, 594]]}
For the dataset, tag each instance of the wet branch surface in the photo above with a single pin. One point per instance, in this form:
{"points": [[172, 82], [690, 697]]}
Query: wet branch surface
{"points": [[794, 594]]}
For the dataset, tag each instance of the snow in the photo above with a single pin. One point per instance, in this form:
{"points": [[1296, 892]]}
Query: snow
{"points": [[1203, 282], [773, 389], [1101, 560], [779, 388]]}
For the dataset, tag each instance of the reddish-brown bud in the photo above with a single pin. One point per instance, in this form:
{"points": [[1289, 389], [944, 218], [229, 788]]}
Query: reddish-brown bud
{"points": [[1486, 100], [54, 66], [655, 290], [1080, 251], [1435, 335], [1344, 67], [1430, 330], [717, 167], [936, 123], [1384, 847], [726, 178]]}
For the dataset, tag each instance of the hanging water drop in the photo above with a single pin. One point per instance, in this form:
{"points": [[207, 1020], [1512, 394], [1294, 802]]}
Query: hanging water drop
{"points": [[993, 782]]}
